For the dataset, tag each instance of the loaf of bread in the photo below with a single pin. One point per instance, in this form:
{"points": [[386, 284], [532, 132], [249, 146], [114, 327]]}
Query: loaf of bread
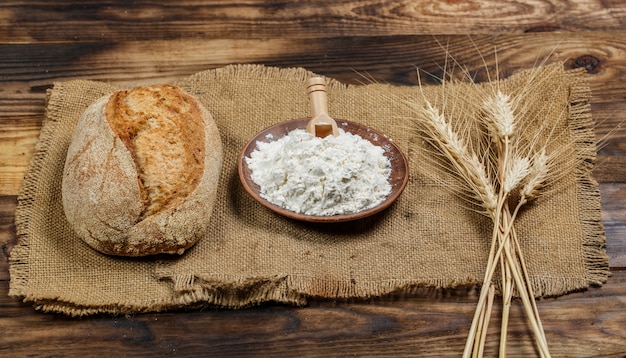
{"points": [[141, 172]]}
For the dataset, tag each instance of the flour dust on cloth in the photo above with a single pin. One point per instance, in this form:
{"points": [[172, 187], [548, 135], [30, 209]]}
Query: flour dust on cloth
{"points": [[252, 255]]}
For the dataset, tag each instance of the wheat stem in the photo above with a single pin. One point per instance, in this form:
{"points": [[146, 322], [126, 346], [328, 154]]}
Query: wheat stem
{"points": [[483, 336], [524, 271], [524, 287], [537, 329], [480, 329], [492, 264], [507, 293]]}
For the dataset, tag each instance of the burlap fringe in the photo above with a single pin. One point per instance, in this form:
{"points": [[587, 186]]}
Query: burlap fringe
{"points": [[225, 292], [18, 268], [254, 72], [582, 125]]}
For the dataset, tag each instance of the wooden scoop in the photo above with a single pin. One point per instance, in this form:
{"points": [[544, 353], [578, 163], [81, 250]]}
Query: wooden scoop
{"points": [[321, 124]]}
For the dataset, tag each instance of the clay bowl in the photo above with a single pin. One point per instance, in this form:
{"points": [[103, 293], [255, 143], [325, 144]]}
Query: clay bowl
{"points": [[398, 178]]}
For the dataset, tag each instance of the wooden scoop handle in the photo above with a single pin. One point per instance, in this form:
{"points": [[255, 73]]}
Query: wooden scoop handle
{"points": [[321, 124], [316, 89]]}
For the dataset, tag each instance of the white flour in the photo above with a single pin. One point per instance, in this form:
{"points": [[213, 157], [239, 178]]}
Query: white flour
{"points": [[321, 176]]}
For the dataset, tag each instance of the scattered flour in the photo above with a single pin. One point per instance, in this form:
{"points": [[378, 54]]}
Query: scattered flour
{"points": [[321, 176]]}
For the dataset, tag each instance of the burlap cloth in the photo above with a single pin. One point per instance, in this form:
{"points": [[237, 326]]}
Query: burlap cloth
{"points": [[251, 255]]}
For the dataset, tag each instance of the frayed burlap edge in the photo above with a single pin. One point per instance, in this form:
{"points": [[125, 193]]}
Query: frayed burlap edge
{"points": [[19, 268], [589, 199], [254, 72]]}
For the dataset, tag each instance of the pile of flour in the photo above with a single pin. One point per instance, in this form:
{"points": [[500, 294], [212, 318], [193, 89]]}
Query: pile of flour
{"points": [[321, 176]]}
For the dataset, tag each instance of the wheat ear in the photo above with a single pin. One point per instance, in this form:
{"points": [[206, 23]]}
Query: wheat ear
{"points": [[456, 151]]}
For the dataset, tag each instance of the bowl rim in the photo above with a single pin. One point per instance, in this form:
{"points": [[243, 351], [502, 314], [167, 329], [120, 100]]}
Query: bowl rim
{"points": [[253, 189]]}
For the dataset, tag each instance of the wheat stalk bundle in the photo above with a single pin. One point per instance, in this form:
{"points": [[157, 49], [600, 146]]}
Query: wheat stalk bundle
{"points": [[500, 158]]}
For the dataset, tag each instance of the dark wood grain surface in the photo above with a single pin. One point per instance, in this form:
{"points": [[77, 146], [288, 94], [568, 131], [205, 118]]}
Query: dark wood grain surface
{"points": [[145, 42]]}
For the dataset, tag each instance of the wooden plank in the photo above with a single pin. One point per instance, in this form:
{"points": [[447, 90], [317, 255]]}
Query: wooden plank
{"points": [[7, 232], [16, 150], [426, 323], [614, 219], [61, 21], [386, 59]]}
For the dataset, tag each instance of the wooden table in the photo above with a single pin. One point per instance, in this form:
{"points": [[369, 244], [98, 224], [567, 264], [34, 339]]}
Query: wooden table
{"points": [[139, 42]]}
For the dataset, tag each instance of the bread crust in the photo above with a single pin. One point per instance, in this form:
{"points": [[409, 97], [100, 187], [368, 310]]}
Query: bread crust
{"points": [[147, 192]]}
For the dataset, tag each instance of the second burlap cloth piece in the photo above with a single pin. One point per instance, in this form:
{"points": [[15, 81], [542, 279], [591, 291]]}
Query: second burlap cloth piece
{"points": [[252, 255]]}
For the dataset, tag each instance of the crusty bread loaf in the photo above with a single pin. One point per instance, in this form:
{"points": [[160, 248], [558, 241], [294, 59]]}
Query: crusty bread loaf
{"points": [[141, 172]]}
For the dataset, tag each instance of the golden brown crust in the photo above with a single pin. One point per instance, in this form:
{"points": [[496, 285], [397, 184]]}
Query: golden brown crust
{"points": [[141, 172]]}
